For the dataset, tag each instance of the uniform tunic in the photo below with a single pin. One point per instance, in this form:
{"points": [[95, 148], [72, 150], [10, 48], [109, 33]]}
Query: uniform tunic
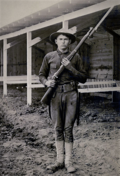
{"points": [[63, 105]]}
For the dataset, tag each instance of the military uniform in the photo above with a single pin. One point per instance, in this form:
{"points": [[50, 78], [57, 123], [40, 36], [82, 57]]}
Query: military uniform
{"points": [[64, 103]]}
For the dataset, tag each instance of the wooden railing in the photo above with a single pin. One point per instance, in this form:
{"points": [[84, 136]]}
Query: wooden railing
{"points": [[23, 80], [98, 85], [92, 85]]}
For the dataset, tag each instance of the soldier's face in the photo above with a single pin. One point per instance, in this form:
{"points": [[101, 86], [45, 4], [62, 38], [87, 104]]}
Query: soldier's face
{"points": [[62, 42]]}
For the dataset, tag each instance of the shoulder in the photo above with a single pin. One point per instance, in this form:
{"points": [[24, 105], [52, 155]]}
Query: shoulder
{"points": [[51, 54]]}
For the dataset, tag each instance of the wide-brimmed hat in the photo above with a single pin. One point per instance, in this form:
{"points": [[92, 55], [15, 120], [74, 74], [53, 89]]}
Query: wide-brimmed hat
{"points": [[54, 35]]}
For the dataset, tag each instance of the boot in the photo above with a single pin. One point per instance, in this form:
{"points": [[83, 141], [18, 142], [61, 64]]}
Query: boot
{"points": [[68, 157], [60, 158]]}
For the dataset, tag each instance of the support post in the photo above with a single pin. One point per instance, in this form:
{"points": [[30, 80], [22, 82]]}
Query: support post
{"points": [[5, 67], [29, 69], [2, 61], [65, 24]]}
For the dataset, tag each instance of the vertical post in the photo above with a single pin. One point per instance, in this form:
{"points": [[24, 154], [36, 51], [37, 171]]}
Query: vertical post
{"points": [[65, 24], [5, 67], [29, 69], [1, 61]]}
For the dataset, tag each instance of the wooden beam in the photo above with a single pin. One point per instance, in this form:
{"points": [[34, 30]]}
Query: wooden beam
{"points": [[39, 49], [79, 13], [111, 23], [4, 67], [98, 82], [9, 45], [90, 90], [34, 41], [111, 32], [44, 35], [89, 22], [37, 86], [73, 30], [65, 24], [29, 68]]}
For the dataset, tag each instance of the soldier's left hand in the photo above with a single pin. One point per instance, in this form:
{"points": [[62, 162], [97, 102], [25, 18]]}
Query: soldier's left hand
{"points": [[65, 62]]}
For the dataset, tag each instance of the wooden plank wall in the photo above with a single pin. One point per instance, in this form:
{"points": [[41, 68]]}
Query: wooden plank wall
{"points": [[17, 60], [101, 58], [37, 58]]}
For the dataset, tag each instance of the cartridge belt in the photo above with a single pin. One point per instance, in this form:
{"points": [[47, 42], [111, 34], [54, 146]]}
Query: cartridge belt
{"points": [[66, 87]]}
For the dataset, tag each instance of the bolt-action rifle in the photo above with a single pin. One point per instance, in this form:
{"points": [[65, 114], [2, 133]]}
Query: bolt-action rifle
{"points": [[49, 93]]}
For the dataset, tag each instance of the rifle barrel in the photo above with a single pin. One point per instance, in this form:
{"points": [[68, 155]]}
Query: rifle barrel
{"points": [[96, 27]]}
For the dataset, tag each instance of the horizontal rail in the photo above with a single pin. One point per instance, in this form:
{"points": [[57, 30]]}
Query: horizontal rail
{"points": [[21, 82], [97, 83], [37, 85], [35, 77], [102, 85], [104, 89], [23, 77], [19, 79]]}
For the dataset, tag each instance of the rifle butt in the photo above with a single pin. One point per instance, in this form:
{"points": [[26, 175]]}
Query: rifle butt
{"points": [[47, 96]]}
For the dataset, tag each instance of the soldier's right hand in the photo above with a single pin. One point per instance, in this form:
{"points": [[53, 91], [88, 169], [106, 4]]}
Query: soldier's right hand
{"points": [[50, 83]]}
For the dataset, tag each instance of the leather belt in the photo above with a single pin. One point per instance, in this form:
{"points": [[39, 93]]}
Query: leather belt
{"points": [[66, 87]]}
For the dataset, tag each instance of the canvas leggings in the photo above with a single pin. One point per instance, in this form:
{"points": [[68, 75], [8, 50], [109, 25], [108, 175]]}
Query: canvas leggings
{"points": [[63, 108]]}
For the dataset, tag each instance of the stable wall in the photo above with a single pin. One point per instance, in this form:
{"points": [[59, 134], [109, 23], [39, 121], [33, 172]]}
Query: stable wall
{"points": [[101, 58], [17, 60]]}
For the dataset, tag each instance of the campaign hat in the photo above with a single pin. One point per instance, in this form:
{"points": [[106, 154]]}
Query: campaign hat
{"points": [[67, 33]]}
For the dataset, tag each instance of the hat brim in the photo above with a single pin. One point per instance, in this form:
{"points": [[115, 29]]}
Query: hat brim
{"points": [[54, 35]]}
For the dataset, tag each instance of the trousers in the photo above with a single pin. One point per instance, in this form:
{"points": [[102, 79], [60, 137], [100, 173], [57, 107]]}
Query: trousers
{"points": [[63, 109]]}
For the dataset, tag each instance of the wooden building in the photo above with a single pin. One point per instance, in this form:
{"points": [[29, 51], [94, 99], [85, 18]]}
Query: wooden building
{"points": [[24, 43]]}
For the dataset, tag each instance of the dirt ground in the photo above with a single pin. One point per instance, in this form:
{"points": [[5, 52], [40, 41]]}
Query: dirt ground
{"points": [[27, 143]]}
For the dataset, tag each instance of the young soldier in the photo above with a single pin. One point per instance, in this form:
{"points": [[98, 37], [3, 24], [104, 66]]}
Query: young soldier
{"points": [[64, 104]]}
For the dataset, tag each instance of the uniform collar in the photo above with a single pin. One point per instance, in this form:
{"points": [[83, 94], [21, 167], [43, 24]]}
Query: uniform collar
{"points": [[60, 53]]}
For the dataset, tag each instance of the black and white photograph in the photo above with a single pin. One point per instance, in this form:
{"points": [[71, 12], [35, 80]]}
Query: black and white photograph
{"points": [[59, 87]]}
